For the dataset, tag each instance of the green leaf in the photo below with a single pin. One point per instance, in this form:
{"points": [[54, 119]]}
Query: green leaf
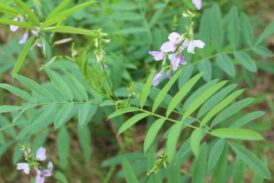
{"points": [[220, 106], [172, 138], [28, 11], [246, 61], [269, 30], [124, 6], [238, 171], [8, 10], [56, 17], [233, 32], [247, 30], [22, 55], [16, 91], [247, 118], [63, 143], [119, 112], [60, 177], [11, 22], [251, 160], [60, 84], [129, 172], [224, 62], [237, 133], [85, 110], [215, 99], [220, 172], [216, 27], [70, 30], [130, 122], [35, 87], [182, 93], [147, 87], [152, 132], [81, 91], [202, 98], [230, 110], [205, 67], [9, 108], [195, 140], [215, 153], [85, 142], [133, 30], [199, 166], [262, 51], [57, 9], [195, 94], [160, 97], [63, 114]]}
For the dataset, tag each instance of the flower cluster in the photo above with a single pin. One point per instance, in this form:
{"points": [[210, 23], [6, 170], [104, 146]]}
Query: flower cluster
{"points": [[25, 37], [173, 51], [35, 162]]}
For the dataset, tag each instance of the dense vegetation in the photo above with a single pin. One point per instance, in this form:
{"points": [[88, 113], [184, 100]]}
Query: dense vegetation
{"points": [[136, 91]]}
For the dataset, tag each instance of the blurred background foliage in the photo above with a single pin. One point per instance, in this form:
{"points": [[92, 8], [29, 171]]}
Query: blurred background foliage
{"points": [[134, 26]]}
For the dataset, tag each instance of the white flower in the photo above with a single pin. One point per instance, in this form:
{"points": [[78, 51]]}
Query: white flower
{"points": [[191, 45], [24, 167], [198, 4]]}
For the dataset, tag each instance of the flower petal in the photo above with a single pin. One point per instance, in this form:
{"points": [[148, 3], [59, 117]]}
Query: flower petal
{"points": [[50, 165], [24, 38], [168, 46], [39, 179], [183, 61], [174, 37], [175, 61], [190, 47], [157, 55], [197, 3], [157, 78], [14, 28], [41, 154], [24, 167], [198, 43]]}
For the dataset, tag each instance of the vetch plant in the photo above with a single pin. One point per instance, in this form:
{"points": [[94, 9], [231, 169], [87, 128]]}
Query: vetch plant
{"points": [[174, 48], [98, 94], [35, 163]]}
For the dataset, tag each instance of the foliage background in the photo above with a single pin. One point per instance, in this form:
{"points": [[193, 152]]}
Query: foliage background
{"points": [[134, 28]]}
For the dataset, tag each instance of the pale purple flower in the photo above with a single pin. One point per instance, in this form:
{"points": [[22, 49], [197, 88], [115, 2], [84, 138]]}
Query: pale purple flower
{"points": [[24, 167], [41, 175], [176, 60], [191, 45], [14, 28], [174, 37], [198, 4], [41, 154], [157, 55], [157, 78], [171, 45], [24, 38], [36, 31], [168, 46]]}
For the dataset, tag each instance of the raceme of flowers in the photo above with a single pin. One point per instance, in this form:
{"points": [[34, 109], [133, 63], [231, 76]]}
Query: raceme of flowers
{"points": [[26, 35], [36, 164], [173, 51]]}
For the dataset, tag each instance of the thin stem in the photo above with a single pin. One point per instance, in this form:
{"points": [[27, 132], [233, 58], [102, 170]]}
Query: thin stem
{"points": [[167, 118]]}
